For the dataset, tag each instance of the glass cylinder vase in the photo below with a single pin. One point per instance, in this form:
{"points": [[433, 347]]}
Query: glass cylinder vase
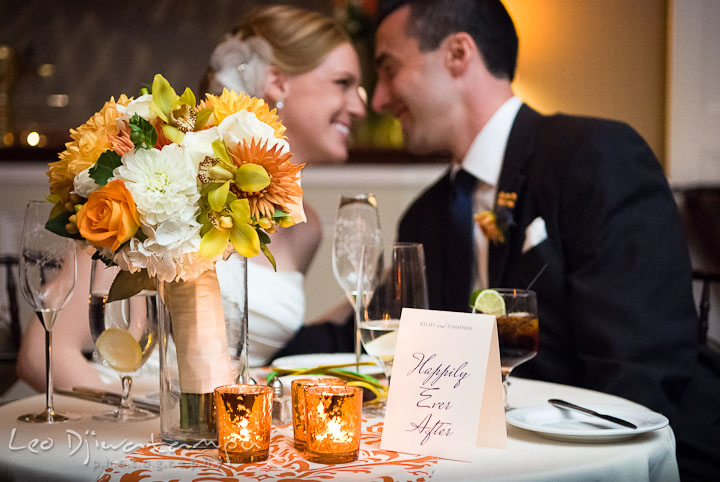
{"points": [[203, 345]]}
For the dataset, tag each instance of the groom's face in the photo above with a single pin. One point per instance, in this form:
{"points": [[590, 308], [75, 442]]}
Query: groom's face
{"points": [[413, 86]]}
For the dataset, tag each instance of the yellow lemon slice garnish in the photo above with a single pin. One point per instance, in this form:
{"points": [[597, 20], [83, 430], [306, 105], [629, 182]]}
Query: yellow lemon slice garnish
{"points": [[119, 349]]}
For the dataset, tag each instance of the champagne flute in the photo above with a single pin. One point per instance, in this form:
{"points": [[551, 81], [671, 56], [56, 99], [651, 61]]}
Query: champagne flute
{"points": [[125, 333], [356, 224], [390, 278], [48, 269], [518, 327]]}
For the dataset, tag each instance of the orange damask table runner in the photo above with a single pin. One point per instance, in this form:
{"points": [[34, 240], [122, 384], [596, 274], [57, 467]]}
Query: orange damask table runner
{"points": [[159, 462]]}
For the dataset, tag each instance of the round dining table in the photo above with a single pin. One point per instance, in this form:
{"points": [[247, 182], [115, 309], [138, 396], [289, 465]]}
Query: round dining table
{"points": [[89, 450]]}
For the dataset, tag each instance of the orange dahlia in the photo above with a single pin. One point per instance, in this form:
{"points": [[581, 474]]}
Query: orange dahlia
{"points": [[88, 142], [284, 178], [230, 102]]}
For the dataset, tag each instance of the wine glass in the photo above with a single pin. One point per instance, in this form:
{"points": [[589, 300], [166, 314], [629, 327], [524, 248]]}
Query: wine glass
{"points": [[518, 329], [356, 224], [125, 333], [48, 269], [390, 278]]}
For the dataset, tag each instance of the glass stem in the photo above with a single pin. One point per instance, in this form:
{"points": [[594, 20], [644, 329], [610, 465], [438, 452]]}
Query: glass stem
{"points": [[126, 402], [48, 373], [505, 373]]}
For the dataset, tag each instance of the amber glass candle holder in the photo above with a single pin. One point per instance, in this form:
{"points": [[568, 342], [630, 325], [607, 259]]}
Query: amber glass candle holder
{"points": [[244, 415], [297, 390], [334, 416]]}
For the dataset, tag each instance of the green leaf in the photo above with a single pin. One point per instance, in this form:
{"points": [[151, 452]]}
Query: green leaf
{"points": [[264, 237], [268, 255], [128, 284], [280, 214], [201, 118], [107, 261], [104, 167], [57, 225], [142, 133]]}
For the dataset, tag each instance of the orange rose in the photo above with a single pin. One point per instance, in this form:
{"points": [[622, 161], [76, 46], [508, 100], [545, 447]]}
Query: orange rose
{"points": [[109, 217]]}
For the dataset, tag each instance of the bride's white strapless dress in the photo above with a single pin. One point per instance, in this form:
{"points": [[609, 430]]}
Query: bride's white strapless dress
{"points": [[276, 305]]}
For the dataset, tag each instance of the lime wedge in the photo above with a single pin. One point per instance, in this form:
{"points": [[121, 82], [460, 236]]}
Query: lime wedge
{"points": [[119, 349], [490, 302]]}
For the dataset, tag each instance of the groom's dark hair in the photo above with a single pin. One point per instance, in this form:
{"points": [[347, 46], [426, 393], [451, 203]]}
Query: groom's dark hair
{"points": [[486, 21]]}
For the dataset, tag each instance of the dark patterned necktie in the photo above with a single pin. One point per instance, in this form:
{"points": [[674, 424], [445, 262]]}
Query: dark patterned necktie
{"points": [[459, 254]]}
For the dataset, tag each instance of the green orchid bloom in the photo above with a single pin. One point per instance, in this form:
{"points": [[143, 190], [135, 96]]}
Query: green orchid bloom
{"points": [[227, 219], [219, 168], [178, 112]]}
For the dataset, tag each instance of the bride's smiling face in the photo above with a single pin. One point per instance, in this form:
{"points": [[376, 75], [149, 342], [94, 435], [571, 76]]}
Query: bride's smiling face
{"points": [[322, 105]]}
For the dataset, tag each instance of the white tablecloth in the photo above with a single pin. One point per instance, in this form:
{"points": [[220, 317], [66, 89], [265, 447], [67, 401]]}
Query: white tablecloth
{"points": [[80, 450]]}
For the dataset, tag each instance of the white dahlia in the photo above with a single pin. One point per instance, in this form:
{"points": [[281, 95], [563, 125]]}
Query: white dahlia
{"points": [[162, 183]]}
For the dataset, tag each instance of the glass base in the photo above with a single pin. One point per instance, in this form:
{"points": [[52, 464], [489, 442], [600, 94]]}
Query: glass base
{"points": [[374, 409], [339, 458], [127, 415], [49, 416], [182, 439], [231, 457]]}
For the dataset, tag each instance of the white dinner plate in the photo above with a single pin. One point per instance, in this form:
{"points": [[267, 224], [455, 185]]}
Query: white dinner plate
{"points": [[317, 359], [571, 426]]}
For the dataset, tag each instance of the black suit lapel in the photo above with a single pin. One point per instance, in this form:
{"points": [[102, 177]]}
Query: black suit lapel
{"points": [[512, 179]]}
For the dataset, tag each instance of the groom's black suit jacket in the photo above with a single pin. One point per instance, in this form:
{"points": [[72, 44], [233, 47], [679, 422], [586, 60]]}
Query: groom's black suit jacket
{"points": [[615, 302]]}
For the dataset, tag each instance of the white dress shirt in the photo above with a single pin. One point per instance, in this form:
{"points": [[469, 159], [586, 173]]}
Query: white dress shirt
{"points": [[484, 160]]}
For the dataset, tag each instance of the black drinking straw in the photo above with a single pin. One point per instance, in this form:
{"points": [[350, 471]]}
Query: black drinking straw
{"points": [[542, 270]]}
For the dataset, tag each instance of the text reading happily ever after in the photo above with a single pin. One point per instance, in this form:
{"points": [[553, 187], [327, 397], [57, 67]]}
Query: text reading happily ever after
{"points": [[438, 381]]}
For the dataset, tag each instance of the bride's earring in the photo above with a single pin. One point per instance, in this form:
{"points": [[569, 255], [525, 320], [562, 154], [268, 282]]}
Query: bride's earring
{"points": [[279, 104]]}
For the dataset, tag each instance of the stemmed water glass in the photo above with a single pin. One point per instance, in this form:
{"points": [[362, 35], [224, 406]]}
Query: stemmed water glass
{"points": [[518, 327], [48, 269], [356, 224], [390, 278], [125, 333]]}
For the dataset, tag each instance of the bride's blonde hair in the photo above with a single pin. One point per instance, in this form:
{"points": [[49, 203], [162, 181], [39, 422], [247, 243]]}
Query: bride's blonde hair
{"points": [[299, 39]]}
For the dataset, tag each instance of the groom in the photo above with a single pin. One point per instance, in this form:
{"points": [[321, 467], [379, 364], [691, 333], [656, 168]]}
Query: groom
{"points": [[577, 206]]}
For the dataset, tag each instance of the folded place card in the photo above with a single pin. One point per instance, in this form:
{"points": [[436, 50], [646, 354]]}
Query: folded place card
{"points": [[445, 392]]}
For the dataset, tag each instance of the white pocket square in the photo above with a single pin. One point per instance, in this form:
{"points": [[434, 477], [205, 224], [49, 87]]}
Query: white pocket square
{"points": [[535, 234]]}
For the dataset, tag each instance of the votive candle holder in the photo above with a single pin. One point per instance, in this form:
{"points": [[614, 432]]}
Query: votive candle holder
{"points": [[297, 391], [244, 415], [334, 417]]}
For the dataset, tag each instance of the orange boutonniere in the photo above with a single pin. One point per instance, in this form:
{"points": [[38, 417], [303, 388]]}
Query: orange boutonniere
{"points": [[494, 225]]}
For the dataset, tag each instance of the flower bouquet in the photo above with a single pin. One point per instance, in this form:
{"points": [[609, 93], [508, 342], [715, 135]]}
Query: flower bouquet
{"points": [[164, 187]]}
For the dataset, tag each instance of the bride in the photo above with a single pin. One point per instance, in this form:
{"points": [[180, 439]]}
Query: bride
{"points": [[303, 64]]}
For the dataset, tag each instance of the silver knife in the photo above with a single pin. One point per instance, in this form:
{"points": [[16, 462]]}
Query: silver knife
{"points": [[571, 406], [101, 396]]}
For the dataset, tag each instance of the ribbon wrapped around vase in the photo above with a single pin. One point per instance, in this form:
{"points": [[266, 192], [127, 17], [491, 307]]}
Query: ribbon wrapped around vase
{"points": [[198, 325], [201, 348]]}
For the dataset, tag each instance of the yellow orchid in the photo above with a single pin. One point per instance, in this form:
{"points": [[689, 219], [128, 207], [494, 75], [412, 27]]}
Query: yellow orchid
{"points": [[227, 218], [178, 112]]}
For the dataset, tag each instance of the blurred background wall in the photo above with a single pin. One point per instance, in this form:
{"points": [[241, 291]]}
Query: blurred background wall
{"points": [[651, 63]]}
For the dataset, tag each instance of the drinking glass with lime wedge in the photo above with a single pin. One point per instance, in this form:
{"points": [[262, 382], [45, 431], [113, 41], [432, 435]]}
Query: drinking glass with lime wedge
{"points": [[125, 333], [517, 324]]}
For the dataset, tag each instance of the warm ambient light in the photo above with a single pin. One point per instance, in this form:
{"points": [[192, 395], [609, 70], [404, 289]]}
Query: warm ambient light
{"points": [[8, 139], [33, 139], [58, 100]]}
